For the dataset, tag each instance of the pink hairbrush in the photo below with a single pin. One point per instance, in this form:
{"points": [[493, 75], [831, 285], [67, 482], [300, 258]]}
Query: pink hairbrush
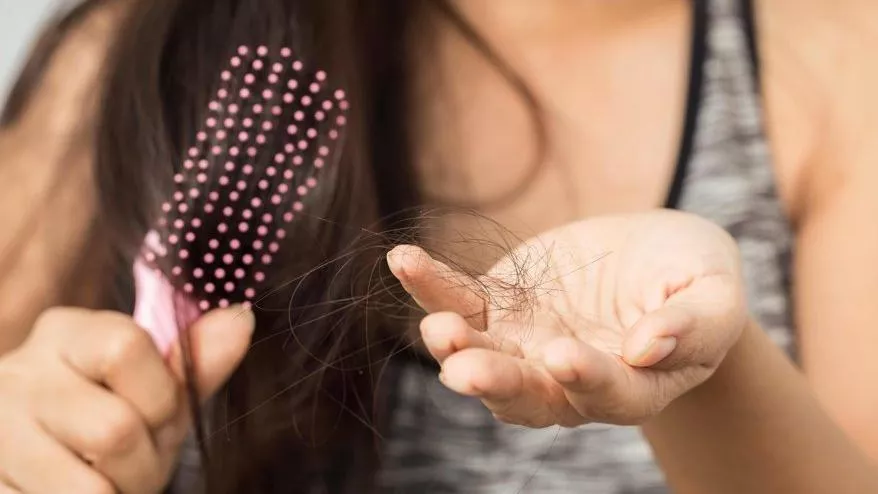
{"points": [[271, 128]]}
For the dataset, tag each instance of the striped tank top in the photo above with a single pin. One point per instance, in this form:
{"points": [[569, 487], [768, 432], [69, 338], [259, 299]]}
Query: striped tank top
{"points": [[444, 443]]}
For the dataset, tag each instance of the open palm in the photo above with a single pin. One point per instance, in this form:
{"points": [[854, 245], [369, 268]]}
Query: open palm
{"points": [[607, 319]]}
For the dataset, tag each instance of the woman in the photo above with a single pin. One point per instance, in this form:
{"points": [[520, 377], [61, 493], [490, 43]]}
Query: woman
{"points": [[450, 96]]}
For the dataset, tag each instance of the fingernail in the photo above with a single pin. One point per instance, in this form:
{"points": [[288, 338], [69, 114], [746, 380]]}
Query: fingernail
{"points": [[392, 258], [394, 262], [656, 350]]}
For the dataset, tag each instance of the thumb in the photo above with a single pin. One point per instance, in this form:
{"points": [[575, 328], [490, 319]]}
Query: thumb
{"points": [[694, 327], [218, 340], [656, 336]]}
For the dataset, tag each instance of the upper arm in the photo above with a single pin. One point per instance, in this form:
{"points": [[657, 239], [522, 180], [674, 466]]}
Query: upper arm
{"points": [[836, 267], [836, 280]]}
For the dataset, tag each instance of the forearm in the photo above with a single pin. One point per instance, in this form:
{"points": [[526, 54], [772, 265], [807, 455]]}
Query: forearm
{"points": [[755, 427]]}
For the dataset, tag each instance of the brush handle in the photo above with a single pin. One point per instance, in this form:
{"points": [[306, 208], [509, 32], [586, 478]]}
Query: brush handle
{"points": [[154, 308], [158, 306]]}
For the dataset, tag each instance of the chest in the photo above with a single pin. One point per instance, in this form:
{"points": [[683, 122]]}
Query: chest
{"points": [[592, 126], [596, 125]]}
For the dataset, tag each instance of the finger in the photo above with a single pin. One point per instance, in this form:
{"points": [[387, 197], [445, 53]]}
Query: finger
{"points": [[437, 287], [694, 327], [598, 385], [36, 464], [219, 340], [579, 367], [511, 388], [655, 336], [446, 333], [110, 349], [105, 430]]}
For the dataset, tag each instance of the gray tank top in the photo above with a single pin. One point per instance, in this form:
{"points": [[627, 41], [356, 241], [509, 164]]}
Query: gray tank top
{"points": [[444, 443]]}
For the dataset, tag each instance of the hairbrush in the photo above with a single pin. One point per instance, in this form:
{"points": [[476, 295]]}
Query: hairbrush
{"points": [[271, 127]]}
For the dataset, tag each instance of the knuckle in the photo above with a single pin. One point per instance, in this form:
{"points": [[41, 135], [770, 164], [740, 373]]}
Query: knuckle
{"points": [[125, 343], [120, 325], [53, 319], [111, 318], [118, 434]]}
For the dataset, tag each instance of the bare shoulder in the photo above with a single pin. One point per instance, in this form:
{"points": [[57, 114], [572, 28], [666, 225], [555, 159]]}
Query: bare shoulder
{"points": [[820, 76], [63, 75], [47, 194]]}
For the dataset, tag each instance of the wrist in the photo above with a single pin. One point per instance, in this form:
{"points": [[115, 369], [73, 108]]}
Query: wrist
{"points": [[740, 358], [739, 368]]}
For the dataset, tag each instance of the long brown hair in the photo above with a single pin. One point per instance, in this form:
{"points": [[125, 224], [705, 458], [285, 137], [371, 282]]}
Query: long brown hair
{"points": [[306, 410]]}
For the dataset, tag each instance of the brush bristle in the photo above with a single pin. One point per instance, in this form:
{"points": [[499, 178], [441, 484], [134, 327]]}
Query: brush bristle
{"points": [[272, 126]]}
